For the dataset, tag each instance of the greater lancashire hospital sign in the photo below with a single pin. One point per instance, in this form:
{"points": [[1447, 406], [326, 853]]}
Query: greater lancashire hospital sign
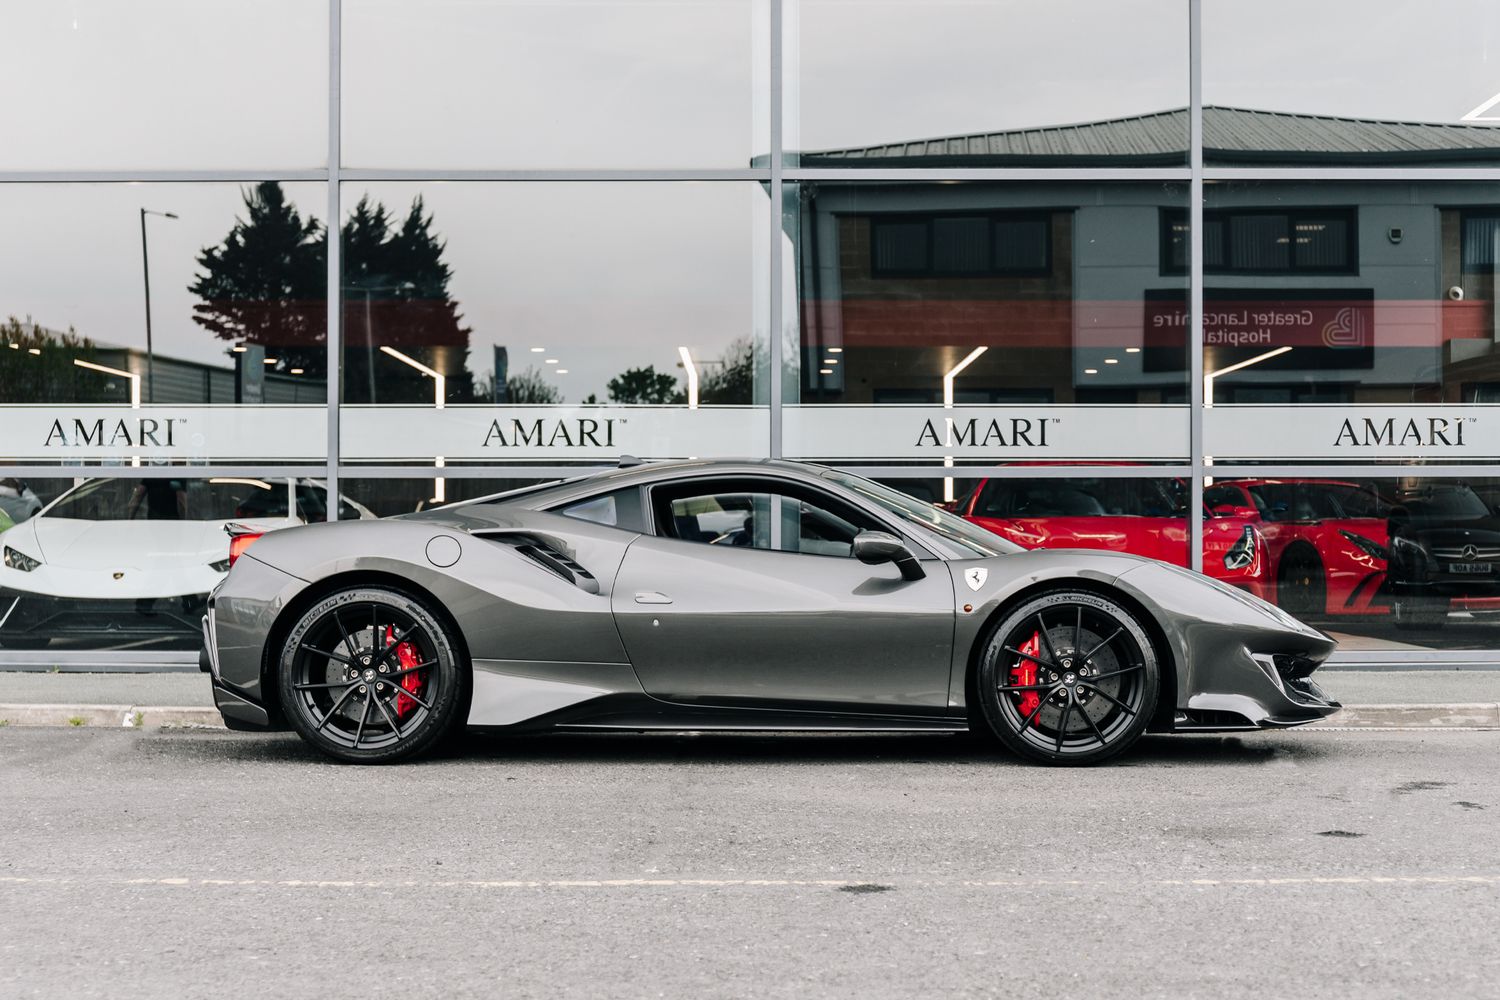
{"points": [[833, 432]]}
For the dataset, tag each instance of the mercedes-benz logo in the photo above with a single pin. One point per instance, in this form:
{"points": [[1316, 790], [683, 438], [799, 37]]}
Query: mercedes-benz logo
{"points": [[1470, 553]]}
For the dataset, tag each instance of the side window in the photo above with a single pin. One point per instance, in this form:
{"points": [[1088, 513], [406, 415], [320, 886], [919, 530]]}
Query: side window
{"points": [[1223, 496], [746, 515], [620, 509]]}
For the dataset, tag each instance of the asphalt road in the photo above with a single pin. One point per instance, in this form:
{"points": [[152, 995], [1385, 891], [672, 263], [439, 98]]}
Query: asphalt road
{"points": [[196, 864]]}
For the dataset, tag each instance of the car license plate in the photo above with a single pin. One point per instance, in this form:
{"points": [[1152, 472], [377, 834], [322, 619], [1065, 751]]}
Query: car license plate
{"points": [[1469, 567]]}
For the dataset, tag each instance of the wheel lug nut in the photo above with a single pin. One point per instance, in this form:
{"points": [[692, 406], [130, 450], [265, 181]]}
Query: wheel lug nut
{"points": [[362, 689], [384, 668]]}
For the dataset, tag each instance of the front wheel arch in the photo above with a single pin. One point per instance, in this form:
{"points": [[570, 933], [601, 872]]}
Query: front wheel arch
{"points": [[1162, 719], [270, 656]]}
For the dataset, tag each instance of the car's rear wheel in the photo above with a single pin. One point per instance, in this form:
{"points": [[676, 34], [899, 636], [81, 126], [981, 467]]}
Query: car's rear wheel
{"points": [[372, 675], [1068, 677], [1301, 585]]}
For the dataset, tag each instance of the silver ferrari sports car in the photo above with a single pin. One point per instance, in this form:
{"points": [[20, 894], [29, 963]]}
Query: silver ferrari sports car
{"points": [[749, 596]]}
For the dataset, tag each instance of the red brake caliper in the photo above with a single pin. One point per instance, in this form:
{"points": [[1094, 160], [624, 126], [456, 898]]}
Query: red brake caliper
{"points": [[407, 657], [1024, 673]]}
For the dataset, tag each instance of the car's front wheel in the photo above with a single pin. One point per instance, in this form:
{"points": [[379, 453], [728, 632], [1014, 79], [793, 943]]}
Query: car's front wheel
{"points": [[1068, 677], [372, 675]]}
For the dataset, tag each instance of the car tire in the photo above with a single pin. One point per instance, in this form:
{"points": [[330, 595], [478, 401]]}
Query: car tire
{"points": [[1078, 635], [1301, 584], [1412, 614], [343, 675]]}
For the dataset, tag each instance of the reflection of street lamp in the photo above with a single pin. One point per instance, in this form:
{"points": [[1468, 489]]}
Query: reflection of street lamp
{"points": [[135, 389], [439, 390], [1208, 386], [1208, 380], [135, 380], [146, 272], [948, 405], [692, 377]]}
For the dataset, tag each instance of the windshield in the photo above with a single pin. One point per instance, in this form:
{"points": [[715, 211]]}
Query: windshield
{"points": [[969, 539], [1454, 501]]}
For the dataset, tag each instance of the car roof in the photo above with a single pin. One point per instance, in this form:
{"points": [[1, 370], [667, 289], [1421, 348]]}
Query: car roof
{"points": [[547, 494]]}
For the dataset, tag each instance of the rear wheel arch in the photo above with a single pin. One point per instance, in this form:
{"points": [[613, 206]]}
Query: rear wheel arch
{"points": [[1166, 700], [270, 659]]}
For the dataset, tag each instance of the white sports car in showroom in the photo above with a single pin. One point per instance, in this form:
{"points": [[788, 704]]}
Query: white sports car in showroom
{"points": [[135, 558]]}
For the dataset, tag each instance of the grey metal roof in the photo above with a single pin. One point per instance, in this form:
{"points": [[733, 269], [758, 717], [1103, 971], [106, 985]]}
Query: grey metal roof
{"points": [[1230, 135]]}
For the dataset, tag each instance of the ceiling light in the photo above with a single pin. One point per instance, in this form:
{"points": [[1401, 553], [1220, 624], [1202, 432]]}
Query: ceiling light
{"points": [[830, 361], [1132, 350], [561, 371], [271, 361], [1111, 361], [551, 361], [33, 350], [296, 371], [239, 348], [537, 350], [1091, 371], [825, 371], [835, 350]]}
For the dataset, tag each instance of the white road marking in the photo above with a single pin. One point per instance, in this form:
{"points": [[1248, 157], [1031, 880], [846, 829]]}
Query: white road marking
{"points": [[711, 883]]}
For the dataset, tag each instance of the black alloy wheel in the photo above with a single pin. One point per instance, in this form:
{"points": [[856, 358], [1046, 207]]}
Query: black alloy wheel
{"points": [[1068, 677], [370, 675], [1301, 585]]}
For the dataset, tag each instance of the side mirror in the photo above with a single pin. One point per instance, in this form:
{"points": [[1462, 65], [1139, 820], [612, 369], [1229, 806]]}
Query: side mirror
{"points": [[875, 547]]}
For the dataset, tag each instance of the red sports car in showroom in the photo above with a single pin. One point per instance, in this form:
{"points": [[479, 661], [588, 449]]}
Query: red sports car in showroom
{"points": [[1315, 547], [1327, 541], [1145, 517]]}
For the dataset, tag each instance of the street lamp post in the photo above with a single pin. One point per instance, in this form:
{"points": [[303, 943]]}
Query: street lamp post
{"points": [[146, 274]]}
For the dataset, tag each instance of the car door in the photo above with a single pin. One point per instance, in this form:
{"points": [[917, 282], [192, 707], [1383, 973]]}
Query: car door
{"points": [[748, 595]]}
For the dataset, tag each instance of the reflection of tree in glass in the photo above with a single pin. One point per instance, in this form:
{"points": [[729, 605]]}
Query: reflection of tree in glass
{"points": [[645, 385], [36, 366], [396, 295], [530, 387], [266, 285], [732, 378]]}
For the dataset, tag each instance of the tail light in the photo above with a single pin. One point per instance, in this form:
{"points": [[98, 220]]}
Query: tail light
{"points": [[240, 539]]}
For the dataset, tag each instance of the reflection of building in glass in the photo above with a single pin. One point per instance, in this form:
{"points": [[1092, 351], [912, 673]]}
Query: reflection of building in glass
{"points": [[1366, 292]]}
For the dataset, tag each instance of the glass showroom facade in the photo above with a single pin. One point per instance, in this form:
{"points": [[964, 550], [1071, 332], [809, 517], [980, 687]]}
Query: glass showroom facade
{"points": [[1207, 281]]}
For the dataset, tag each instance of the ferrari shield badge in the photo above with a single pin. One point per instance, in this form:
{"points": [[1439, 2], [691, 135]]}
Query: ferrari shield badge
{"points": [[975, 576]]}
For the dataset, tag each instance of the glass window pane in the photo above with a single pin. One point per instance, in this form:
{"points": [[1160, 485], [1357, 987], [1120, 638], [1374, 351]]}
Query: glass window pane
{"points": [[1344, 81], [230, 362], [1070, 343], [1380, 563], [165, 84], [1352, 321], [1258, 243], [127, 562], [477, 84], [933, 83], [1146, 517], [553, 322]]}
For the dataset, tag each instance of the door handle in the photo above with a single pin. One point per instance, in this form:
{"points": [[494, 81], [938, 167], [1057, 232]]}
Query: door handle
{"points": [[652, 597]]}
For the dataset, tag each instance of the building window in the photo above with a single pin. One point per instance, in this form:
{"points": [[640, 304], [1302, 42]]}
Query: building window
{"points": [[1481, 233], [958, 246], [1260, 241]]}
